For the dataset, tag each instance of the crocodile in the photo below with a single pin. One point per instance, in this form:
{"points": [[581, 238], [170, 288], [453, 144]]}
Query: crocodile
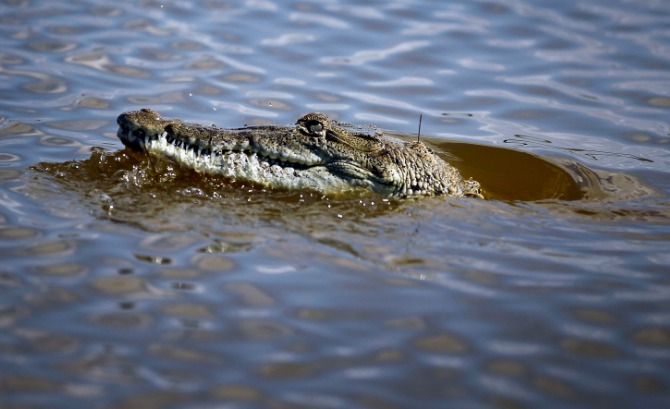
{"points": [[317, 153]]}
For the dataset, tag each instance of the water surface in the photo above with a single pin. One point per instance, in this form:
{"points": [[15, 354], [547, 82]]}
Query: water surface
{"points": [[131, 283]]}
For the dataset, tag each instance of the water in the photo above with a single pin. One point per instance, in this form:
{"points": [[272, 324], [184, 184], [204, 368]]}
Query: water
{"points": [[126, 283]]}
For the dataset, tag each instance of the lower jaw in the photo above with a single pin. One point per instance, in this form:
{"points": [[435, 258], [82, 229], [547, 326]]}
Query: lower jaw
{"points": [[251, 168], [243, 167]]}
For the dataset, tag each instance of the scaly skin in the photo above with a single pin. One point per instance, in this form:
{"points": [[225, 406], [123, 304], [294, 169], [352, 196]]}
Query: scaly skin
{"points": [[316, 153]]}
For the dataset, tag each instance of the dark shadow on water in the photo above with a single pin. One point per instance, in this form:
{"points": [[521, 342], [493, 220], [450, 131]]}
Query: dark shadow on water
{"points": [[513, 175], [519, 176]]}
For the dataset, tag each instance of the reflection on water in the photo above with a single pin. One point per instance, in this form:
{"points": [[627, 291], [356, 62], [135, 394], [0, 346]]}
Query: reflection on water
{"points": [[132, 283]]}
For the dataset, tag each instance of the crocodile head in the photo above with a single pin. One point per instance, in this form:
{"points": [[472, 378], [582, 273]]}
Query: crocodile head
{"points": [[316, 153]]}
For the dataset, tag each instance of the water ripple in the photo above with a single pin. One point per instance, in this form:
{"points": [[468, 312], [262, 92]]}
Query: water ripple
{"points": [[243, 109], [365, 56], [614, 117], [403, 82], [390, 103], [313, 18], [480, 65], [288, 39]]}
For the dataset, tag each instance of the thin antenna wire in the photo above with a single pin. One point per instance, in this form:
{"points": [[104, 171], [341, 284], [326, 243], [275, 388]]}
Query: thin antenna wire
{"points": [[418, 135]]}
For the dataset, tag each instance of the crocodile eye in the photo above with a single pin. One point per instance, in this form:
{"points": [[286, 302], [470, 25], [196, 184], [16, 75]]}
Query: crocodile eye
{"points": [[139, 133], [313, 126]]}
